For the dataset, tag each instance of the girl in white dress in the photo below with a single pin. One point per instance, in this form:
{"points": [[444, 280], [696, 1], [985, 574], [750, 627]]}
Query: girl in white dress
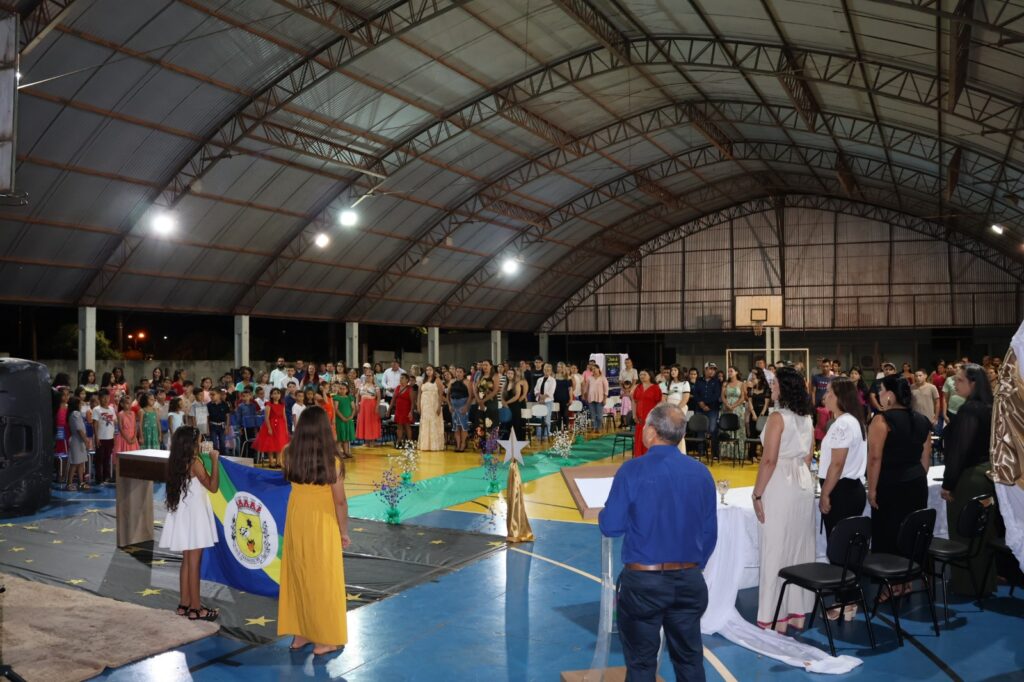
{"points": [[784, 500], [189, 527]]}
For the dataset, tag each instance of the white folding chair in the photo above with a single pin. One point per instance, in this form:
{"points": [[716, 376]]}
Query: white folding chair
{"points": [[537, 414]]}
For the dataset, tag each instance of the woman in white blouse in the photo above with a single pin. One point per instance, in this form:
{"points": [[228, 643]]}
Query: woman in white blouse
{"points": [[677, 389], [844, 456]]}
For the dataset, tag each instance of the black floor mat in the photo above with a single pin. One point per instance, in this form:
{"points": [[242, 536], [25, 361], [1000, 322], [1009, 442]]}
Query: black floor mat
{"points": [[80, 551]]}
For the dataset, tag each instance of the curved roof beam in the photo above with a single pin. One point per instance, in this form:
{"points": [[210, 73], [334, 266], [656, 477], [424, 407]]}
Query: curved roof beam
{"points": [[762, 204], [879, 196], [993, 110], [911, 180], [40, 21], [1001, 16], [255, 113]]}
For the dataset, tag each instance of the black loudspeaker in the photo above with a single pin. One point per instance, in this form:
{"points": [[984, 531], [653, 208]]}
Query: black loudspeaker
{"points": [[26, 436]]}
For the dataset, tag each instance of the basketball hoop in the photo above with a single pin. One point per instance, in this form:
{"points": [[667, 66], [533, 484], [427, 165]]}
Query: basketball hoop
{"points": [[758, 328], [758, 316]]}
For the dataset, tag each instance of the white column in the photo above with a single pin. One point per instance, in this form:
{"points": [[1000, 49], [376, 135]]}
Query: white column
{"points": [[434, 345], [352, 345], [769, 339], [495, 346], [543, 346], [241, 340], [86, 339]]}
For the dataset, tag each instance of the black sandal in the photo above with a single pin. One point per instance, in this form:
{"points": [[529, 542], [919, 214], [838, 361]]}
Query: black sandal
{"points": [[211, 614], [182, 610]]}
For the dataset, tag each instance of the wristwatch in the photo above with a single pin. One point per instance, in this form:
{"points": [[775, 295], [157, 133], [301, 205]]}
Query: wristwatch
{"points": [[756, 497]]}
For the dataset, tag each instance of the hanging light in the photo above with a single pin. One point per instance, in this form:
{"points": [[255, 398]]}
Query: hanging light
{"points": [[321, 240], [510, 266], [348, 218], [997, 228], [164, 223]]}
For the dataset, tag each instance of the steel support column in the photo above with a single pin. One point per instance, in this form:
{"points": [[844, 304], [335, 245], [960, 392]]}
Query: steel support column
{"points": [[86, 339], [241, 340]]}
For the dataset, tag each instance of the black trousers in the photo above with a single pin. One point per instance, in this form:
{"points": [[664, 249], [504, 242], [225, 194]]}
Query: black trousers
{"points": [[847, 499], [651, 600]]}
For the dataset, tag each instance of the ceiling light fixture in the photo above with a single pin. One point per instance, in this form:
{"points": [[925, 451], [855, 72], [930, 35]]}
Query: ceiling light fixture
{"points": [[322, 240], [164, 223], [997, 228], [348, 218], [510, 266]]}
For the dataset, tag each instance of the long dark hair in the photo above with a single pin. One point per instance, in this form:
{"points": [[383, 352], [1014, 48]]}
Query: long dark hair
{"points": [[107, 380], [982, 390], [900, 387], [760, 380], [84, 378], [184, 448], [861, 386], [312, 455], [848, 400], [793, 391]]}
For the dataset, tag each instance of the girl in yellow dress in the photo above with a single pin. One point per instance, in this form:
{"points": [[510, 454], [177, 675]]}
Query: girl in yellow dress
{"points": [[311, 606]]}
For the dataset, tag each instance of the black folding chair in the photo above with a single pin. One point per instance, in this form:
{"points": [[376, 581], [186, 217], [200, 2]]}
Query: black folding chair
{"points": [[912, 542], [730, 432], [847, 548], [697, 432], [973, 522]]}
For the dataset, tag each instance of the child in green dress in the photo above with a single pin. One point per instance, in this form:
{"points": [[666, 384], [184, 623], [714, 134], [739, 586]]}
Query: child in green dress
{"points": [[149, 424], [345, 418]]}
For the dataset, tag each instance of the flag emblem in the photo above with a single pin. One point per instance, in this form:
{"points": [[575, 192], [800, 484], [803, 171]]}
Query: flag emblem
{"points": [[253, 531]]}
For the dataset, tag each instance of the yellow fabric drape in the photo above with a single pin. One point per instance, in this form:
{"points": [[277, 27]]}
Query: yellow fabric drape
{"points": [[518, 523], [1007, 445]]}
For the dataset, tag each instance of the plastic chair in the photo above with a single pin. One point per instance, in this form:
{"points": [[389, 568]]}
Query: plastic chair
{"points": [[61, 457], [730, 432], [972, 524], [847, 549], [537, 414], [609, 410], [697, 433], [912, 542]]}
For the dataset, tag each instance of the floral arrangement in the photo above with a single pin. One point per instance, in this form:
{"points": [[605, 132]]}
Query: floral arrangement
{"points": [[563, 443], [407, 460], [581, 425], [391, 490], [488, 442]]}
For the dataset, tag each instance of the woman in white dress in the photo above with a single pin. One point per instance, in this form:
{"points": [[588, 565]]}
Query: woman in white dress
{"points": [[784, 500], [189, 527], [429, 400]]}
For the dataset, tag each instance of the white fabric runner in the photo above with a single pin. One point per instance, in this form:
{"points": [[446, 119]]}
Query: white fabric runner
{"points": [[1011, 506], [734, 566]]}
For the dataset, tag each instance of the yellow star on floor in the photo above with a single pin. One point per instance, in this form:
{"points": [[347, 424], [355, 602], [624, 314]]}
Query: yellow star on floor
{"points": [[3, 540], [496, 543], [6, 525], [75, 581], [358, 530], [16, 549], [31, 527], [29, 561], [57, 542], [107, 530], [261, 621], [132, 550], [354, 597], [92, 556], [148, 592], [160, 562], [419, 533], [91, 511], [437, 542]]}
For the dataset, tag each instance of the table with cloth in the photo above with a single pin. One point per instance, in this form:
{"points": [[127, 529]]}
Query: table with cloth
{"points": [[734, 566]]}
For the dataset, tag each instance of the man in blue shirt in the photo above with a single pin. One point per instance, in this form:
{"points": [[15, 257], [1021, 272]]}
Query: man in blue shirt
{"points": [[706, 399], [664, 505]]}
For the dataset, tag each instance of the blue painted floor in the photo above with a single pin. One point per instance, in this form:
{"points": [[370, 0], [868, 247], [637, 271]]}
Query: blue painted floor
{"points": [[511, 616]]}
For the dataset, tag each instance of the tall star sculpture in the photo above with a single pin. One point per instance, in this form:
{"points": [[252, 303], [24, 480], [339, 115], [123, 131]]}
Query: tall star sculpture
{"points": [[513, 448]]}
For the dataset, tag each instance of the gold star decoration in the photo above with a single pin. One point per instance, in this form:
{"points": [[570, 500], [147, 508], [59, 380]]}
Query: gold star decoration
{"points": [[16, 549], [496, 543], [148, 592], [354, 597], [358, 530], [107, 530], [31, 527], [75, 581], [437, 542], [57, 542], [160, 562], [261, 621], [29, 561], [92, 556]]}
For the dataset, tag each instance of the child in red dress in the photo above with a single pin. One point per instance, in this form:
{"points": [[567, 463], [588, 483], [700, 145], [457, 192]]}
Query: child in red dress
{"points": [[401, 410], [273, 435]]}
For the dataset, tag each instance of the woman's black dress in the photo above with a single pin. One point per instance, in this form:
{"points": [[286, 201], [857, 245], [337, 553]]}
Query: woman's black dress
{"points": [[902, 481]]}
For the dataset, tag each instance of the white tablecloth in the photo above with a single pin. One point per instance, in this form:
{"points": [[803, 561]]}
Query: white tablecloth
{"points": [[734, 566]]}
